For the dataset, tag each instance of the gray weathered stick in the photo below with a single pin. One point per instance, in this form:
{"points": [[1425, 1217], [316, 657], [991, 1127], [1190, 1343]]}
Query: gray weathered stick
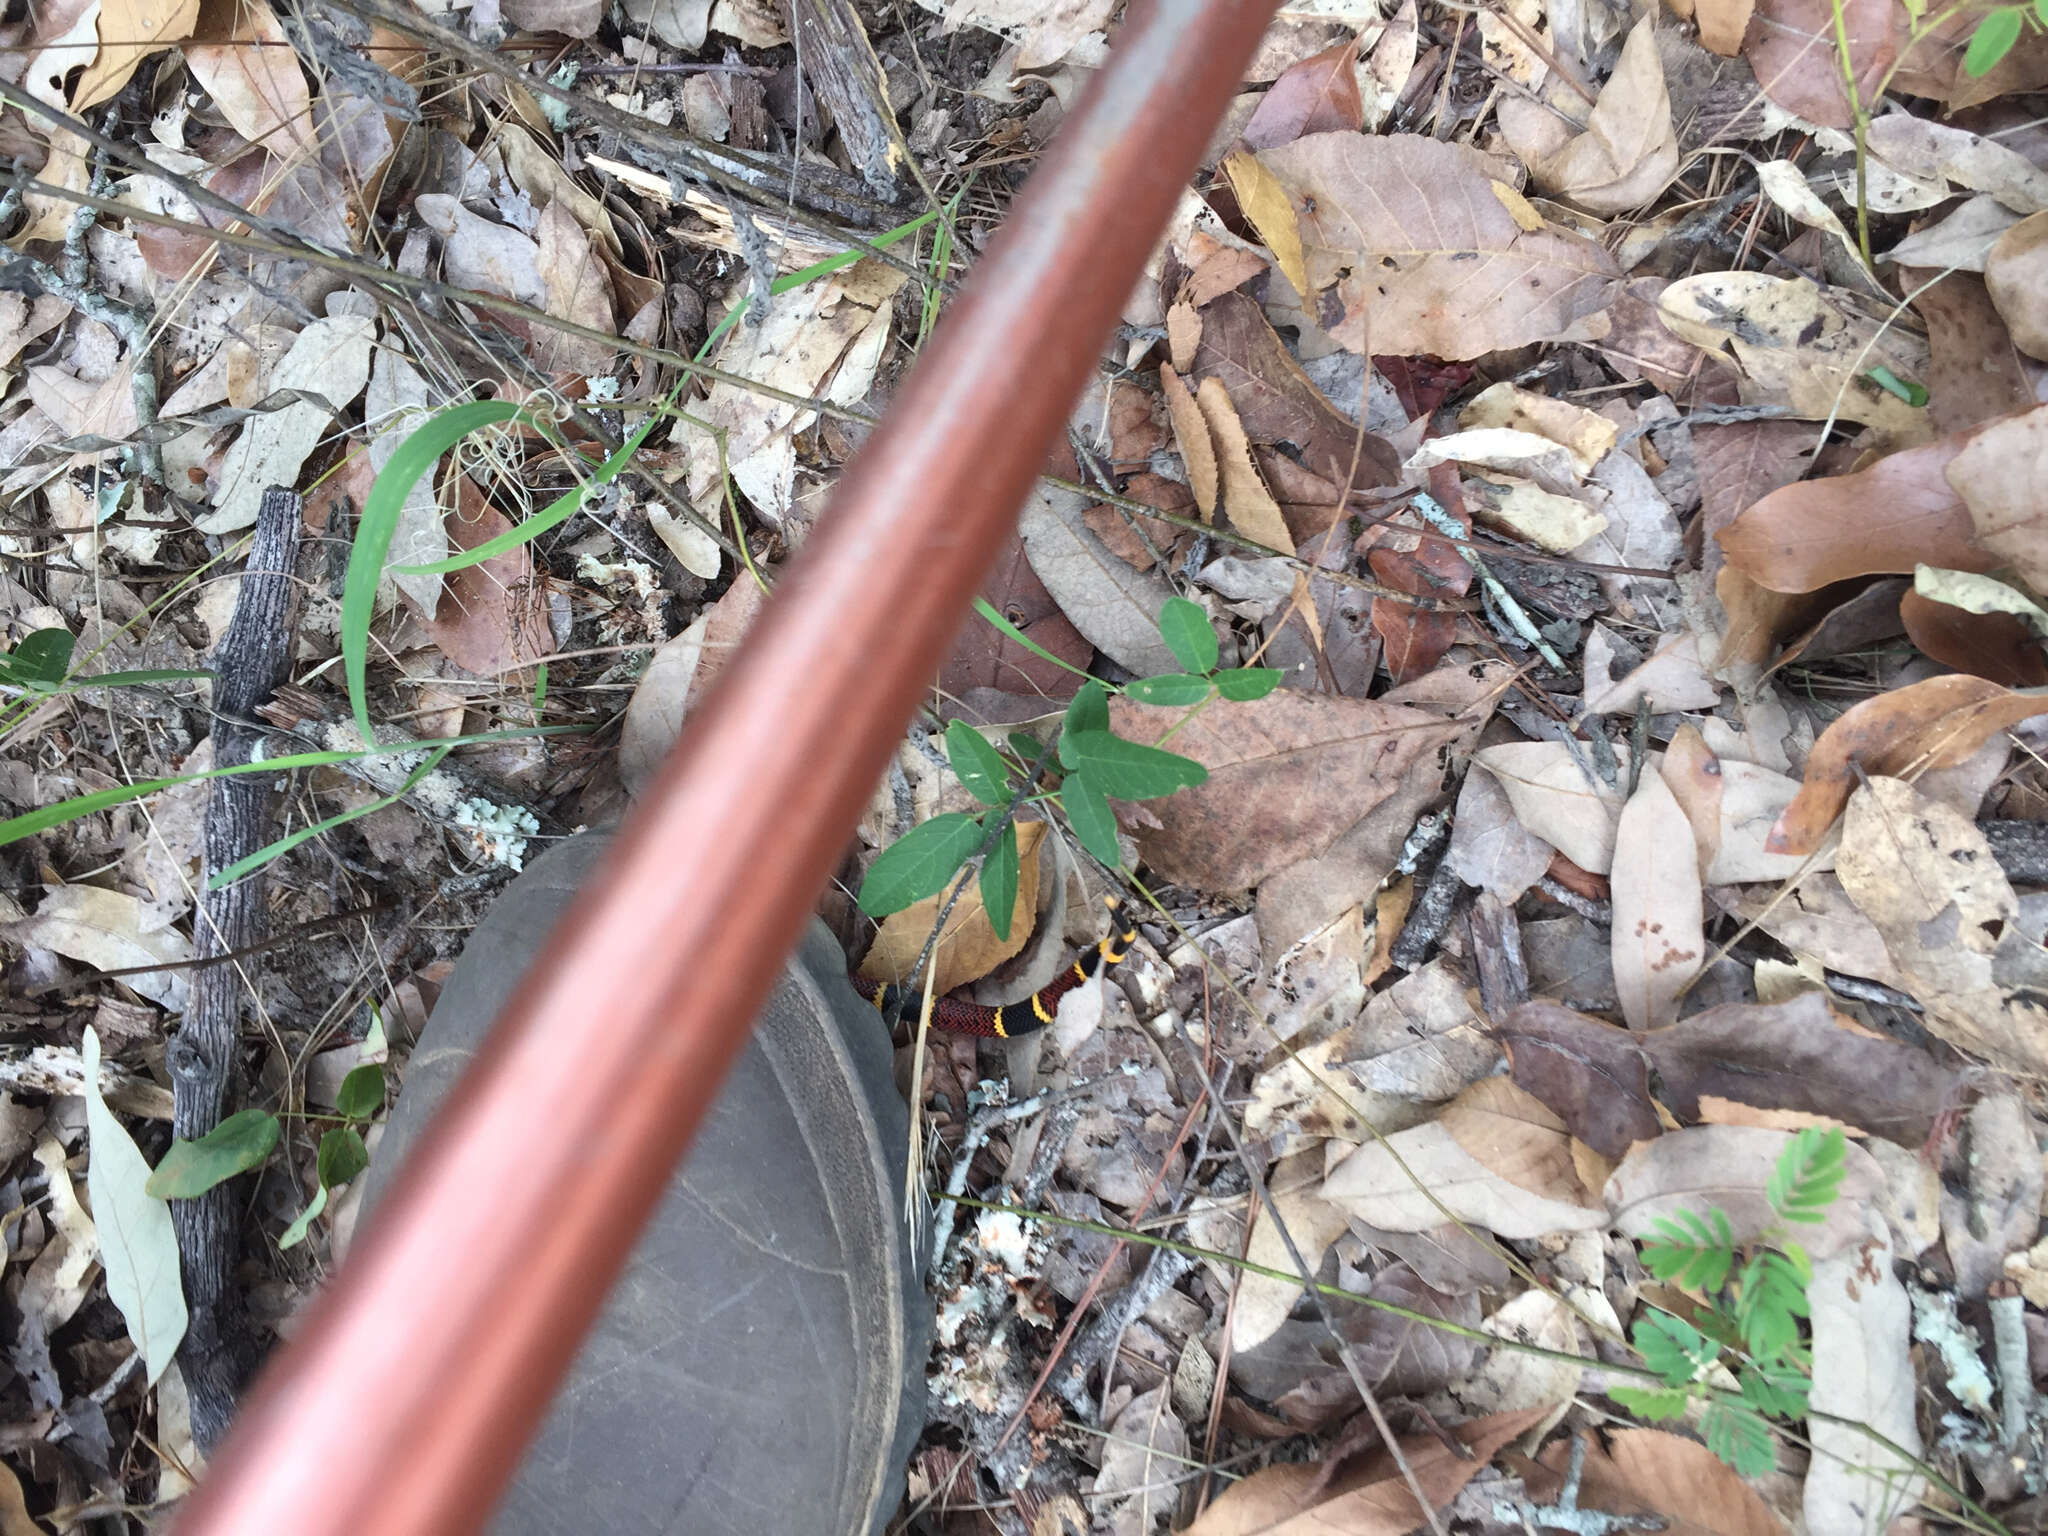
{"points": [[218, 1353]]}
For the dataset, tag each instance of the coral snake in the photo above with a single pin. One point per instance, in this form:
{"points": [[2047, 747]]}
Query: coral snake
{"points": [[1011, 1019]]}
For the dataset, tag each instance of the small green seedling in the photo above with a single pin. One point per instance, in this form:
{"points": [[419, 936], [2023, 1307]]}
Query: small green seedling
{"points": [[1749, 1322], [1998, 33], [1096, 766]]}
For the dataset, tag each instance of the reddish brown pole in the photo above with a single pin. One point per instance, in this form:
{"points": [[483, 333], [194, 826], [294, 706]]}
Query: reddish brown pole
{"points": [[405, 1403]]}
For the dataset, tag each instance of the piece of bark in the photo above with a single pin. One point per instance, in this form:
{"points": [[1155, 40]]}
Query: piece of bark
{"points": [[842, 68], [219, 1352], [1497, 955]]}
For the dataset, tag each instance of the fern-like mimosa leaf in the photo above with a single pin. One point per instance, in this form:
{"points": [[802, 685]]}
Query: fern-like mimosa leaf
{"points": [[1809, 1175]]}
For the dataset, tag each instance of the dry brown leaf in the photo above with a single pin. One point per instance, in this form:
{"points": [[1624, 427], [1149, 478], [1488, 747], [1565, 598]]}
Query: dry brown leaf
{"points": [[1113, 605], [1730, 1166], [1975, 372], [1279, 403], [2016, 273], [1924, 874], [1933, 724], [2001, 1212], [1558, 799], [1288, 775], [1818, 922], [1659, 911], [1791, 46], [1296, 1499], [969, 949], [1628, 152], [1263, 1302], [1585, 435], [1862, 1373], [1417, 242], [1191, 436], [1722, 24], [247, 64], [1899, 513], [1801, 347], [133, 30], [1249, 505], [1498, 1163], [1593, 1076], [1654, 1472], [1693, 774], [985, 658], [1224, 268], [662, 696], [1265, 204], [329, 358], [1318, 95], [103, 929], [1998, 470], [1995, 646], [1799, 1056], [1962, 240], [1671, 678], [1490, 848], [492, 617], [1928, 150], [578, 288]]}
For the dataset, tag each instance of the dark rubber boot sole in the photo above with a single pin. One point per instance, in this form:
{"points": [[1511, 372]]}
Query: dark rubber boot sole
{"points": [[759, 1367]]}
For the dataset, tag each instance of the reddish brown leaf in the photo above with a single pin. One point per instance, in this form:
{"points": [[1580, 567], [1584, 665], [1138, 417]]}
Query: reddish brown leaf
{"points": [[1899, 513], [1318, 95], [1791, 46], [983, 658], [1976, 373], [1416, 638], [1295, 1499], [1278, 403], [1994, 646], [1933, 66], [492, 618], [1592, 1075], [1932, 724], [1288, 775], [1797, 1055]]}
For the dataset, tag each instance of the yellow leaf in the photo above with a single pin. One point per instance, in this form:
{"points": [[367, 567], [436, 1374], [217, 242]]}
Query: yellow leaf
{"points": [[1191, 435], [1264, 202], [1245, 497], [137, 28]]}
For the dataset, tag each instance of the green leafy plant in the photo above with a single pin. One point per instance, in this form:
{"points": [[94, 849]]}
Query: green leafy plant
{"points": [[1096, 766], [40, 663], [1997, 33], [245, 1140], [1748, 1322]]}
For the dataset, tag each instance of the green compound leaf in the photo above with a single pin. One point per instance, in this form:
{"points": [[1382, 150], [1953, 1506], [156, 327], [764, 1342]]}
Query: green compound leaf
{"points": [[1674, 1350], [1088, 713], [342, 1157], [978, 765], [1092, 820], [361, 1093], [237, 1144], [1127, 770], [919, 863], [1028, 747], [1170, 689], [1740, 1438], [414, 457], [1809, 1175], [1991, 42], [1243, 684], [1770, 1299], [1691, 1249], [1776, 1388], [1651, 1403], [1188, 634], [999, 873]]}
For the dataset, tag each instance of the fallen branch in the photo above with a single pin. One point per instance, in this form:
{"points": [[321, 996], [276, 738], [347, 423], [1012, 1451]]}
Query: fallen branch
{"points": [[218, 1353]]}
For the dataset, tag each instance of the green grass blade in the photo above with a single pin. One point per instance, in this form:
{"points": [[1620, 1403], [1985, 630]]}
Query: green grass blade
{"points": [[1003, 626], [29, 823], [291, 840], [560, 510], [413, 459]]}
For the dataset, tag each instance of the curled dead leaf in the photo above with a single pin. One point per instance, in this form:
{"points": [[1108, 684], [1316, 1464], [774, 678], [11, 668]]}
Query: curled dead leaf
{"points": [[1933, 724]]}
